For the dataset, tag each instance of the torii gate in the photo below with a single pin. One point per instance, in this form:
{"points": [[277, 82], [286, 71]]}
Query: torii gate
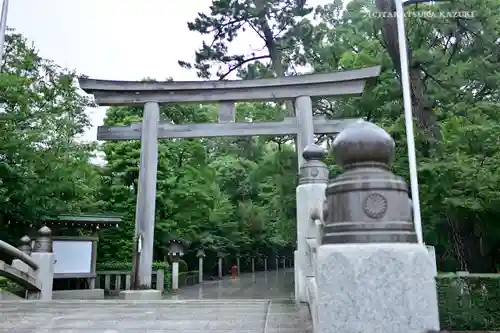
{"points": [[151, 94]]}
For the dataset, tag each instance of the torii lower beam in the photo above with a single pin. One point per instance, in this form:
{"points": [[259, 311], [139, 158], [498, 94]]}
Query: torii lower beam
{"points": [[288, 126]]}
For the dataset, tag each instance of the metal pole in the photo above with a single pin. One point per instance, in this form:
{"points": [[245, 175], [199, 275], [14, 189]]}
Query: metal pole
{"points": [[3, 26], [410, 137]]}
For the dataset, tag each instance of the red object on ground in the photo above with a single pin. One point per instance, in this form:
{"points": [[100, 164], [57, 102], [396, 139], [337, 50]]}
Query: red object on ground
{"points": [[234, 271]]}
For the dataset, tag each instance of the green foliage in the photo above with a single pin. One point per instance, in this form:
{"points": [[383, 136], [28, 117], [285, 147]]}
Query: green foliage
{"points": [[183, 266], [273, 21], [208, 192], [126, 266], [469, 303], [9, 286], [188, 278], [43, 170]]}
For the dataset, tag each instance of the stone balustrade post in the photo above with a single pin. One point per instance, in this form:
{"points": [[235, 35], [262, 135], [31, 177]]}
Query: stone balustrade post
{"points": [[44, 256], [371, 271], [25, 247], [313, 177]]}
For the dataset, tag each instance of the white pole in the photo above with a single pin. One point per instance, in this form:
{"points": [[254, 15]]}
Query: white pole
{"points": [[410, 137], [3, 26]]}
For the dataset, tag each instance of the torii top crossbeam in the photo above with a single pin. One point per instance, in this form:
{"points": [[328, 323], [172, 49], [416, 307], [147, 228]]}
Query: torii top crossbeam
{"points": [[135, 93]]}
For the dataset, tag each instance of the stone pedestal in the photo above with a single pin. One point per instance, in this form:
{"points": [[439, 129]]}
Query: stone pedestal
{"points": [[376, 288], [200, 269], [201, 256], [175, 275], [432, 253], [141, 295], [220, 267], [45, 273]]}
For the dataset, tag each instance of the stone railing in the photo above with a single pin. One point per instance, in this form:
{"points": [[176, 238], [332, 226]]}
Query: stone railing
{"points": [[112, 282], [358, 263], [310, 196], [33, 265]]}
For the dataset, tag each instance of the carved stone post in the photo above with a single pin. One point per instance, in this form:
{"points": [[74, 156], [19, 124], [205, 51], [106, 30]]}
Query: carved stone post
{"points": [[201, 256], [44, 256], [25, 245], [253, 264], [265, 264], [370, 267], [310, 196], [238, 263]]}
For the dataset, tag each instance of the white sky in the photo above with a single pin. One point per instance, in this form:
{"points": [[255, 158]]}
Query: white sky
{"points": [[116, 39]]}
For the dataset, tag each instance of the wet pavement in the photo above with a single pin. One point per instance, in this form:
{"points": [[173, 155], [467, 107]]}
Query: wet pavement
{"points": [[253, 303], [261, 285]]}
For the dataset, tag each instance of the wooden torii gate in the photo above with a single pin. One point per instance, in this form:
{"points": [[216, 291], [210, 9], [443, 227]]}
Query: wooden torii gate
{"points": [[150, 95]]}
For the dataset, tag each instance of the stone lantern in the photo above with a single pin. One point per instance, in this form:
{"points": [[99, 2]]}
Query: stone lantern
{"points": [[175, 252], [201, 255]]}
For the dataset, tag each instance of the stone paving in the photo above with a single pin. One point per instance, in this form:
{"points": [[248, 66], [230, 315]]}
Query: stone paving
{"points": [[251, 304], [261, 285]]}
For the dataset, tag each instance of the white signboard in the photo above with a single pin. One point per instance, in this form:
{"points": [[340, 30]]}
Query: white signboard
{"points": [[72, 256]]}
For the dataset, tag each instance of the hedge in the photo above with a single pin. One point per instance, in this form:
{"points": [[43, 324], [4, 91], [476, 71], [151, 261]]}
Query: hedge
{"points": [[469, 303], [127, 266]]}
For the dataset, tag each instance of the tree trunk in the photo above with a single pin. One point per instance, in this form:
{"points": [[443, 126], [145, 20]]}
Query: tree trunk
{"points": [[274, 51], [422, 108]]}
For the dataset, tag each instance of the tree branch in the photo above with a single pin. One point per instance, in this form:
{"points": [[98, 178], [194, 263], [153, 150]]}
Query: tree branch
{"points": [[239, 64]]}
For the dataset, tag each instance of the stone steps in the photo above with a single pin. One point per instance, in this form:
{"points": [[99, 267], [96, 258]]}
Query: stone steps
{"points": [[287, 317], [196, 316], [134, 317]]}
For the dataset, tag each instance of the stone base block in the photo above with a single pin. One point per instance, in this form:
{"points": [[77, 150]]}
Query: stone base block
{"points": [[141, 295], [78, 294], [432, 253], [6, 296], [376, 288]]}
